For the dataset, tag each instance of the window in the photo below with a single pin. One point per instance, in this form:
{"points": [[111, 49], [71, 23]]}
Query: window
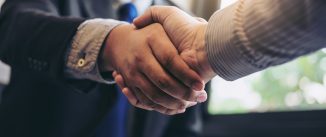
{"points": [[298, 85]]}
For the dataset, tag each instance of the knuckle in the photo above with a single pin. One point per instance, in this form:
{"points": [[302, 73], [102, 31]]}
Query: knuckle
{"points": [[169, 60], [139, 58], [130, 74], [157, 99], [164, 83], [150, 38], [185, 96], [149, 104]]}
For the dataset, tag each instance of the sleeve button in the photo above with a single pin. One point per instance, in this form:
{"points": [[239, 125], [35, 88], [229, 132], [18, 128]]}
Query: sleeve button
{"points": [[81, 62]]}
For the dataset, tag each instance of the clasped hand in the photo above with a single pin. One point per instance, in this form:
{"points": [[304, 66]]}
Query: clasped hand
{"points": [[160, 62]]}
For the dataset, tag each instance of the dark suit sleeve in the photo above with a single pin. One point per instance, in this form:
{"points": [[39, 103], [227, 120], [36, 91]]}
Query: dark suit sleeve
{"points": [[33, 36]]}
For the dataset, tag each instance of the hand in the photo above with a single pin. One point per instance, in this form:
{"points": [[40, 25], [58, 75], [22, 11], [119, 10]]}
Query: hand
{"points": [[138, 56], [187, 34]]}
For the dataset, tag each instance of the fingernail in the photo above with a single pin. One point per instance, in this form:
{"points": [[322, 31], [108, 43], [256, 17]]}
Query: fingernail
{"points": [[202, 98], [197, 86], [182, 111]]}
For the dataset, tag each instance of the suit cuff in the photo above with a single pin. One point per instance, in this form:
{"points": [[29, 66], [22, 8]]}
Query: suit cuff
{"points": [[82, 57], [224, 46]]}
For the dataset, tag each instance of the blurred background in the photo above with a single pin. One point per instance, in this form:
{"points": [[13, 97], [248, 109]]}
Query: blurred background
{"points": [[289, 99], [298, 85]]}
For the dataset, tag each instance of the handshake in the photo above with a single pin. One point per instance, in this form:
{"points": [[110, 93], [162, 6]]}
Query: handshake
{"points": [[159, 61]]}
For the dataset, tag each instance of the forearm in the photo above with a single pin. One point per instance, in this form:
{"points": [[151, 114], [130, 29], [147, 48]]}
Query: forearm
{"points": [[252, 35]]}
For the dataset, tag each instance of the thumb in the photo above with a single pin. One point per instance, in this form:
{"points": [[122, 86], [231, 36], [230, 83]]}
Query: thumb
{"points": [[155, 14]]}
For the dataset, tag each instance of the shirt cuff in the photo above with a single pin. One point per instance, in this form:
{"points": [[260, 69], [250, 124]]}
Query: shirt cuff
{"points": [[224, 46], [82, 57]]}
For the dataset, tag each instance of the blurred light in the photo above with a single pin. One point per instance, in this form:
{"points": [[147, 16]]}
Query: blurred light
{"points": [[291, 80], [293, 99], [323, 64], [225, 3], [185, 4], [240, 97], [142, 5], [324, 50], [277, 76], [324, 80], [315, 91], [304, 82], [239, 90], [309, 100]]}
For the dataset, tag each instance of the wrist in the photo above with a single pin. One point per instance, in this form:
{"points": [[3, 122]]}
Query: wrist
{"points": [[205, 69], [111, 42], [104, 66]]}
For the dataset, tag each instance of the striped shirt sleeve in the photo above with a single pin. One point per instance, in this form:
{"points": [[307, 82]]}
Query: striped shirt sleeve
{"points": [[252, 35]]}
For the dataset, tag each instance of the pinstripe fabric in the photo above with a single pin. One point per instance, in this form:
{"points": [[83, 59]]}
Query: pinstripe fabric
{"points": [[252, 35]]}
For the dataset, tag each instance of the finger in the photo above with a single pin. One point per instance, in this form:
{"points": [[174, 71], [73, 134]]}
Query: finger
{"points": [[141, 100], [145, 103], [120, 81], [134, 99], [158, 96], [151, 16], [155, 73], [130, 96], [171, 61], [200, 19], [114, 74], [159, 14]]}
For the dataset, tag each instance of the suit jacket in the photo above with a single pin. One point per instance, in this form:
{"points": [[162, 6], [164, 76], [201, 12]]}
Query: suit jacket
{"points": [[40, 101]]}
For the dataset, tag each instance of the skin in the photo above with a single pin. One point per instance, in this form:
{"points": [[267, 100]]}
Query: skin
{"points": [[157, 79], [186, 33]]}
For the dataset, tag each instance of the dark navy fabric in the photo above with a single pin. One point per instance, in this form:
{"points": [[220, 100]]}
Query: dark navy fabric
{"points": [[115, 123], [41, 102]]}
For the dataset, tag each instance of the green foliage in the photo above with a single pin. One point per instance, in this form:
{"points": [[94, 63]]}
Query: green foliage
{"points": [[276, 83]]}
